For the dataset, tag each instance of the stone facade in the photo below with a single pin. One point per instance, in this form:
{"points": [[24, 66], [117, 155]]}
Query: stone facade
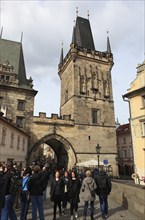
{"points": [[136, 98]]}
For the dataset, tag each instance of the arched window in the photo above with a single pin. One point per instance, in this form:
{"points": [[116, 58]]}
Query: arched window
{"points": [[18, 142], [12, 140], [3, 136]]}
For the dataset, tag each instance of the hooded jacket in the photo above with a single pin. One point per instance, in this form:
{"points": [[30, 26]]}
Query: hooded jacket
{"points": [[88, 185], [35, 185], [103, 184]]}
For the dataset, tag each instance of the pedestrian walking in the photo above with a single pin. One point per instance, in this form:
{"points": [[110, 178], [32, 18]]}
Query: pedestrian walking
{"points": [[56, 190], [73, 194], [35, 187], [103, 190], [8, 210], [2, 189], [45, 177], [24, 196], [65, 191], [18, 176], [88, 189]]}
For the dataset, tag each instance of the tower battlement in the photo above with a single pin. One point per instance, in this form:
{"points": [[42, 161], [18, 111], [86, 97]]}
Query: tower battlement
{"points": [[54, 119]]}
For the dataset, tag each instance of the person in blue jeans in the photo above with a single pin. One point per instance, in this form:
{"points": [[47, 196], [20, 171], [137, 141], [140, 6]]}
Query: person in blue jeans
{"points": [[24, 197], [8, 210], [35, 187], [103, 190]]}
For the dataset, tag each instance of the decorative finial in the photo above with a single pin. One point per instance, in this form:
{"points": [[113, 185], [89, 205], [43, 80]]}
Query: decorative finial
{"points": [[88, 14], [62, 43], [1, 32], [107, 32], [21, 37], [77, 11]]}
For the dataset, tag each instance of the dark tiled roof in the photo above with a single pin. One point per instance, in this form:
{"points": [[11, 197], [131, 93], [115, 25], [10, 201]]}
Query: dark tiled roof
{"points": [[82, 34], [12, 52], [123, 129]]}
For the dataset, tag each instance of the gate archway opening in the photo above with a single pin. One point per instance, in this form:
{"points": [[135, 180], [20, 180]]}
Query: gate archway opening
{"points": [[64, 152]]}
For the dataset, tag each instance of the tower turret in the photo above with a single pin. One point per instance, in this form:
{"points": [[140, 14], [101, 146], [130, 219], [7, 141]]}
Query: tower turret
{"points": [[108, 45], [85, 74]]}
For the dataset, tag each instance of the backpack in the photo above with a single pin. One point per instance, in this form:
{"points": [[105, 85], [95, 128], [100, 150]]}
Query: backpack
{"points": [[15, 185], [103, 183]]}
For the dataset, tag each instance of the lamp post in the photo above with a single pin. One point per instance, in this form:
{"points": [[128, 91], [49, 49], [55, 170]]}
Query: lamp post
{"points": [[98, 153]]}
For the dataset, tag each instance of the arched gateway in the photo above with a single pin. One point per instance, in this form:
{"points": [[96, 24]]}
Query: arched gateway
{"points": [[63, 150]]}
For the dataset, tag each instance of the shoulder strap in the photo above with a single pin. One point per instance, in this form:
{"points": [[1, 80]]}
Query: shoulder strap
{"points": [[88, 186]]}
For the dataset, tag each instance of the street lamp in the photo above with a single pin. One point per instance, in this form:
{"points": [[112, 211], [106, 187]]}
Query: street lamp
{"points": [[98, 153]]}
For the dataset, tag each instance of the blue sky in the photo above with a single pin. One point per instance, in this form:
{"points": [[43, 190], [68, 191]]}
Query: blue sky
{"points": [[45, 24]]}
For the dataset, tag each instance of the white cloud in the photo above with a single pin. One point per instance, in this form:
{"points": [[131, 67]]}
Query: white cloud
{"points": [[46, 23]]}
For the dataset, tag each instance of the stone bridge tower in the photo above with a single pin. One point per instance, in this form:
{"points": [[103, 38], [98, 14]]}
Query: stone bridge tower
{"points": [[87, 109]]}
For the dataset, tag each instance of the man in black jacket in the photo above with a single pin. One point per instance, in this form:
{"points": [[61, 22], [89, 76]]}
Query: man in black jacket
{"points": [[35, 187], [2, 190], [8, 210], [103, 190]]}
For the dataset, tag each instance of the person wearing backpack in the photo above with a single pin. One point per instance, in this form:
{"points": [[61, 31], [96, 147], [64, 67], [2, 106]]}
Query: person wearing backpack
{"points": [[103, 190], [24, 197], [8, 210]]}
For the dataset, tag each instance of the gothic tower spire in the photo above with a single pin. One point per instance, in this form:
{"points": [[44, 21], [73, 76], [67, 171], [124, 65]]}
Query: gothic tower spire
{"points": [[82, 34], [108, 45], [74, 36], [61, 55]]}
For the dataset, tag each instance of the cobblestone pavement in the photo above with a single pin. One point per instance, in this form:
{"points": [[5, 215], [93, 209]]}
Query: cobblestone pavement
{"points": [[116, 211]]}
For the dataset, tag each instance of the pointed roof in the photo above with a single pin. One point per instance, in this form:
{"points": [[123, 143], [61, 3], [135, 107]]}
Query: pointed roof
{"points": [[82, 34], [74, 36], [12, 52], [108, 46], [61, 56]]}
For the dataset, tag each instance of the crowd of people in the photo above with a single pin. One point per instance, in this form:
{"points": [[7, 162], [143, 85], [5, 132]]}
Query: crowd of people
{"points": [[20, 187]]}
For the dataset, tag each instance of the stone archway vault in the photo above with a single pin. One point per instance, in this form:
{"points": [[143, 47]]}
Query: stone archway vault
{"points": [[55, 141]]}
